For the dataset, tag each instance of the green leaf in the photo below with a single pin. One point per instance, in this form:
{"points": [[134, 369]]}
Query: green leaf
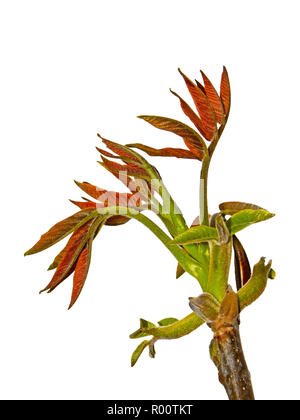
{"points": [[146, 324], [142, 331], [245, 218], [196, 234], [256, 285], [138, 351], [167, 321]]}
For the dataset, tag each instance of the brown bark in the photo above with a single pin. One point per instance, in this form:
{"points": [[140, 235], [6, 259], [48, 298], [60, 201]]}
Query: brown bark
{"points": [[227, 354]]}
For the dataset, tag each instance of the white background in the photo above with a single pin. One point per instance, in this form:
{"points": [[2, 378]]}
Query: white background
{"points": [[70, 69]]}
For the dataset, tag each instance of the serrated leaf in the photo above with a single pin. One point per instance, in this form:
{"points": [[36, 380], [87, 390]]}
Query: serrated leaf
{"points": [[109, 198], [189, 113], [165, 152], [57, 260], [84, 205], [60, 230], [83, 264], [167, 321], [204, 108], [191, 138], [214, 99], [138, 351], [196, 234], [119, 149], [130, 170], [225, 94], [245, 218], [72, 251], [232, 207]]}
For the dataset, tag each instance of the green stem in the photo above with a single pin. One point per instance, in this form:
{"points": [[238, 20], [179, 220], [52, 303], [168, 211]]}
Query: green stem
{"points": [[204, 220]]}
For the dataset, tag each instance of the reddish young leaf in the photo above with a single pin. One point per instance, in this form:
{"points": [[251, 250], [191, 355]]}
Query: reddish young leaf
{"points": [[241, 263], [167, 151], [200, 86], [57, 260], [81, 272], [214, 99], [82, 266], [111, 221], [86, 204], [190, 113], [130, 170], [110, 198], [106, 153], [60, 230], [225, 91], [191, 138], [118, 149], [72, 252], [205, 110]]}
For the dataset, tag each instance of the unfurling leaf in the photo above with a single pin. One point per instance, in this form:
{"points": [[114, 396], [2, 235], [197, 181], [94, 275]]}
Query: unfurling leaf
{"points": [[225, 91], [130, 170], [191, 138], [167, 321], [142, 331], [73, 249], [232, 207], [57, 260], [189, 113], [204, 108], [60, 230], [110, 198], [138, 351], [167, 151], [85, 205], [256, 285], [245, 218], [146, 324], [110, 221], [241, 263], [196, 234], [214, 99], [83, 264]]}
